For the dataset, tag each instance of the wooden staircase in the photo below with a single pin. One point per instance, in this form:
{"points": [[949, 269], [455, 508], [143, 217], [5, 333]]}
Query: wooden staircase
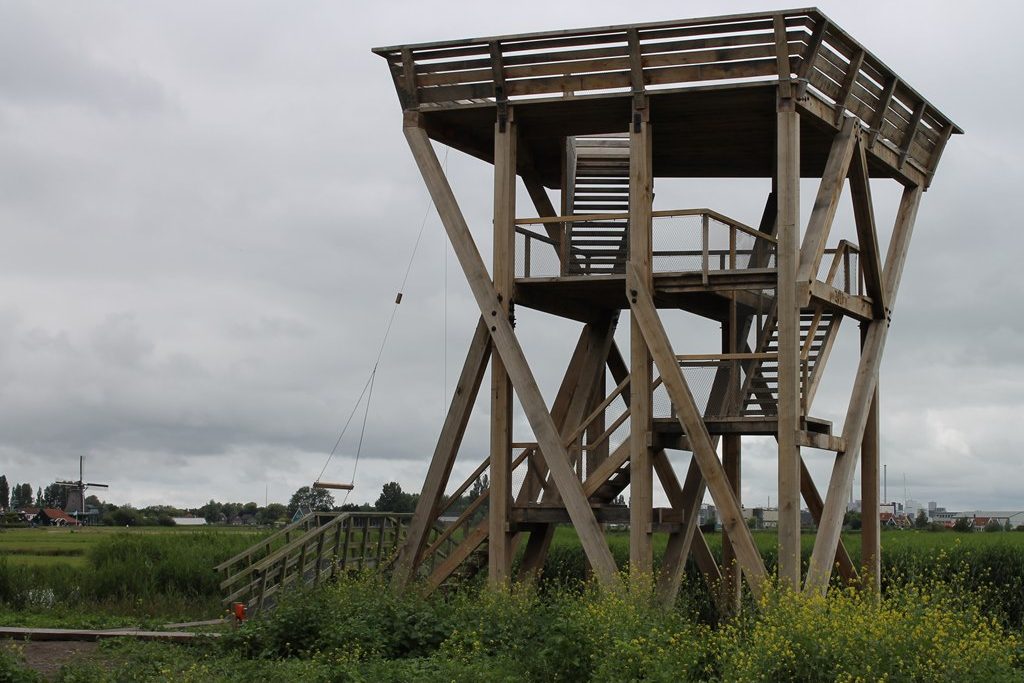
{"points": [[315, 548], [818, 329], [601, 186]]}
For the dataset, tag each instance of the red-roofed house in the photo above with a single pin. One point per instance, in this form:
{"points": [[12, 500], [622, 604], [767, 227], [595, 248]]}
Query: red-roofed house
{"points": [[54, 517]]}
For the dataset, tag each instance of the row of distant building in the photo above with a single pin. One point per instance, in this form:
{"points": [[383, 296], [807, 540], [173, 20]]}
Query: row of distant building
{"points": [[895, 514], [36, 516]]}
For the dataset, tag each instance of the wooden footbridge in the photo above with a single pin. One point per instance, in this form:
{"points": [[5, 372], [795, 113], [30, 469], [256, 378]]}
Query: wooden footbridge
{"points": [[597, 116], [317, 547]]}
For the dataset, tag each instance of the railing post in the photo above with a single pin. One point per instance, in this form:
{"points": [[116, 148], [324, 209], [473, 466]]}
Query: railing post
{"points": [[319, 556], [365, 544], [704, 229], [846, 272], [337, 546], [732, 247], [526, 255], [380, 543], [348, 540], [563, 249]]}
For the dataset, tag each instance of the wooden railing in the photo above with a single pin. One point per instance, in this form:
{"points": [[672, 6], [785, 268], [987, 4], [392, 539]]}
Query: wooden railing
{"points": [[274, 542], [322, 545], [801, 49], [844, 272], [721, 243]]}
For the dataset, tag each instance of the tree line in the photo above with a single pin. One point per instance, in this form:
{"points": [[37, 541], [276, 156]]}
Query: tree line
{"points": [[13, 497], [306, 499]]}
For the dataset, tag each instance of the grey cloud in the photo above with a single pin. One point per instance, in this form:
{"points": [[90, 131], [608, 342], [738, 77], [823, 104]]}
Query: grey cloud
{"points": [[207, 211]]}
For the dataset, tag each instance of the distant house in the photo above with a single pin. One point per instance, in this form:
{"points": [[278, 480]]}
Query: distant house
{"points": [[28, 514], [54, 517], [189, 521]]}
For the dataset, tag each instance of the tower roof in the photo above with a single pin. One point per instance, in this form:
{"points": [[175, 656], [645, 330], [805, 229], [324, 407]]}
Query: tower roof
{"points": [[712, 84]]}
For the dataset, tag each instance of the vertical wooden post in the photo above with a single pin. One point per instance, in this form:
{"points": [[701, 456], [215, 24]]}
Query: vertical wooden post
{"points": [[692, 422], [788, 175], [641, 472], [870, 530], [731, 453], [598, 455], [499, 558]]}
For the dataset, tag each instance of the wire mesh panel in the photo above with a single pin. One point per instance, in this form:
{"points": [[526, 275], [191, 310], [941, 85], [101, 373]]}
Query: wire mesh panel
{"points": [[840, 268], [536, 255], [700, 376], [689, 242], [677, 244]]}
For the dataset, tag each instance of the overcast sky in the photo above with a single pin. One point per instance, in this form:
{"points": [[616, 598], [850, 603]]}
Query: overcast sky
{"points": [[206, 210]]}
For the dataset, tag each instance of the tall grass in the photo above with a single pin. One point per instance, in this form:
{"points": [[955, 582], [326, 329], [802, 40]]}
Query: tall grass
{"points": [[989, 566], [146, 574], [357, 630]]}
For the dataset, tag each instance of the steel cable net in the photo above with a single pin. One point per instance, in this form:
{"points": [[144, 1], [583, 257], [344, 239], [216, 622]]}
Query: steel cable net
{"points": [[700, 379], [847, 276], [678, 243], [535, 257]]}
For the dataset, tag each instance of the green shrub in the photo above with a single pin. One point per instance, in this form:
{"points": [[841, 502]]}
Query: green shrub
{"points": [[357, 630], [12, 666], [916, 633]]}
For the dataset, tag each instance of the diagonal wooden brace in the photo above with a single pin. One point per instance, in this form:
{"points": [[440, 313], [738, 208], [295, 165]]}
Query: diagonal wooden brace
{"points": [[867, 236], [507, 346], [820, 569], [826, 202], [643, 309], [444, 454]]}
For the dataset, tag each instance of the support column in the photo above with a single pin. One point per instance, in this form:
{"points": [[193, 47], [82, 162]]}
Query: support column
{"points": [[730, 569], [641, 472], [787, 256], [598, 455], [499, 556], [731, 454], [871, 530], [692, 422]]}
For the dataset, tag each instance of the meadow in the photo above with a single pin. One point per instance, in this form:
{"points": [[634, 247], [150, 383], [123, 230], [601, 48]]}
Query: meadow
{"points": [[952, 610], [113, 576]]}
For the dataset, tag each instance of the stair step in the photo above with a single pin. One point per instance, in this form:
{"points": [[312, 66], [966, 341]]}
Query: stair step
{"points": [[624, 196], [594, 208]]}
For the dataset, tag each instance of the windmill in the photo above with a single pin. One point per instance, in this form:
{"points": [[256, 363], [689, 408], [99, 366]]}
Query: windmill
{"points": [[76, 492]]}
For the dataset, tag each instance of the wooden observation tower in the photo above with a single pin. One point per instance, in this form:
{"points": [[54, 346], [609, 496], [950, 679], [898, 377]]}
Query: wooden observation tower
{"points": [[598, 116]]}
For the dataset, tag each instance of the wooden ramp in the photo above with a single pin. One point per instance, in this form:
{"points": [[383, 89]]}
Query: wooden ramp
{"points": [[315, 548]]}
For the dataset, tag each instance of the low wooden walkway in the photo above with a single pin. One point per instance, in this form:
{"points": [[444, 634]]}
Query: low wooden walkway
{"points": [[91, 635]]}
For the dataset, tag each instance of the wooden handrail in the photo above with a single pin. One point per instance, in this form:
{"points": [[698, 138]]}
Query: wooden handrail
{"points": [[269, 540], [310, 536], [584, 218]]}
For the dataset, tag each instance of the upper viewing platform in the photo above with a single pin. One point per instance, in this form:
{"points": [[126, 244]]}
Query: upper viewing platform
{"points": [[712, 85]]}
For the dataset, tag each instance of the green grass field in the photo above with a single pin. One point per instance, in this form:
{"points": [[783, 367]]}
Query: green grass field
{"points": [[893, 541], [45, 547]]}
